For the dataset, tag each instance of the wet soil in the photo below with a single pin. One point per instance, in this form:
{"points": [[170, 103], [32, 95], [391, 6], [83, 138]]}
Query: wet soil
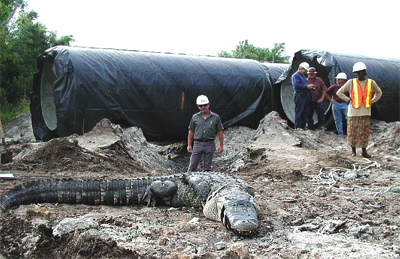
{"points": [[316, 200]]}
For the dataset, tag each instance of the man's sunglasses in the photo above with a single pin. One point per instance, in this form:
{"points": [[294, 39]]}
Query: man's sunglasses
{"points": [[203, 105]]}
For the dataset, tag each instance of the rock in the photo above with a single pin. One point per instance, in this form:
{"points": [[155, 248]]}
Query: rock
{"points": [[308, 227], [194, 220], [146, 232], [30, 241], [334, 226], [241, 250], [162, 241], [395, 189], [39, 211], [69, 225], [178, 256], [220, 245], [297, 222]]}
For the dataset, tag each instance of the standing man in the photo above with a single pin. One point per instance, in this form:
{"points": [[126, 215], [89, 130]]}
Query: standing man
{"points": [[316, 98], [361, 91], [203, 127], [339, 107], [301, 89]]}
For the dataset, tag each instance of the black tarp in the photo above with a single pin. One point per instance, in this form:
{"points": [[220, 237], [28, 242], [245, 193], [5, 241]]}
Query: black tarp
{"points": [[77, 87], [386, 73], [274, 71]]}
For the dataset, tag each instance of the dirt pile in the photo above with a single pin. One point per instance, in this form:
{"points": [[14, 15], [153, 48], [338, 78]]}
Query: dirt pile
{"points": [[107, 148], [385, 139]]}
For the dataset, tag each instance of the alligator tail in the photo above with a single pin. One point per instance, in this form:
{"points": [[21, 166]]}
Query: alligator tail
{"points": [[78, 191]]}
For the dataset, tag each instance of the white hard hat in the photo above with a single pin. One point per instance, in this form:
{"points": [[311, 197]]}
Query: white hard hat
{"points": [[341, 76], [304, 65], [359, 66], [201, 100]]}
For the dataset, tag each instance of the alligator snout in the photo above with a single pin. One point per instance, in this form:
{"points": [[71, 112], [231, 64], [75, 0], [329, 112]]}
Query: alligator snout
{"points": [[241, 217]]}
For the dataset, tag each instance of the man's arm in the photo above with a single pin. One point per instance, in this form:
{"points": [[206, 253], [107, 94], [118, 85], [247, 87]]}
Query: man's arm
{"points": [[221, 141], [378, 92], [323, 91], [344, 89], [329, 97], [190, 140], [299, 84]]}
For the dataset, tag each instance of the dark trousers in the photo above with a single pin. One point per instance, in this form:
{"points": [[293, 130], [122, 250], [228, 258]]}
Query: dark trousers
{"points": [[202, 148], [300, 102], [319, 109]]}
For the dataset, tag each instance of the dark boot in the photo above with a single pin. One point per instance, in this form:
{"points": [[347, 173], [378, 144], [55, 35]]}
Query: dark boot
{"points": [[353, 151], [364, 153]]}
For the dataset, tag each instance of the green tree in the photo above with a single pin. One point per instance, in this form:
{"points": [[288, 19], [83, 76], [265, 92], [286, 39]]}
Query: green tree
{"points": [[249, 51], [22, 40]]}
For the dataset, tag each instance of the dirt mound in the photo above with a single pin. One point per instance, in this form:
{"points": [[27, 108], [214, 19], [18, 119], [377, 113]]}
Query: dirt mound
{"points": [[385, 139], [64, 154], [57, 149], [106, 148], [236, 139]]}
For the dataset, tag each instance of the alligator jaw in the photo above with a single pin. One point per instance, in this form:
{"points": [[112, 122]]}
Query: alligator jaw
{"points": [[241, 217]]}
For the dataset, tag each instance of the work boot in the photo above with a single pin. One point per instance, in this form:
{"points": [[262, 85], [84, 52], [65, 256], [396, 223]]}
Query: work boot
{"points": [[365, 154]]}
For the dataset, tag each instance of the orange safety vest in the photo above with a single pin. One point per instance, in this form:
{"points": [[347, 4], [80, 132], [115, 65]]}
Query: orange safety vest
{"points": [[358, 97]]}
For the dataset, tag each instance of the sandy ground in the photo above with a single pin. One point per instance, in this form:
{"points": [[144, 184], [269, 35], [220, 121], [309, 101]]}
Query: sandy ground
{"points": [[316, 200]]}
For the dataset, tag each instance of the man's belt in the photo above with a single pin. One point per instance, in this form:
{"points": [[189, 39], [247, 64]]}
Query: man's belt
{"points": [[204, 140]]}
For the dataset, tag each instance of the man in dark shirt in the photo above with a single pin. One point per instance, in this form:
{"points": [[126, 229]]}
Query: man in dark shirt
{"points": [[203, 127], [315, 101], [301, 89], [339, 107]]}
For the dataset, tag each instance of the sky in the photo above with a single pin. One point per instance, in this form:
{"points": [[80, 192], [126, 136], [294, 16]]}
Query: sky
{"points": [[369, 28]]}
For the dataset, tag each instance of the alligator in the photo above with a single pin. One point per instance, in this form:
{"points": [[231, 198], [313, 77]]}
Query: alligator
{"points": [[223, 197]]}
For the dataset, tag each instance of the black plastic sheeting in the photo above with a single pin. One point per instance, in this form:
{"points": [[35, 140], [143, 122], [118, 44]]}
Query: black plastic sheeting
{"points": [[386, 73], [76, 87], [274, 71]]}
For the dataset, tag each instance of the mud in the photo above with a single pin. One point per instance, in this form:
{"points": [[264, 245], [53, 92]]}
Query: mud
{"points": [[316, 200]]}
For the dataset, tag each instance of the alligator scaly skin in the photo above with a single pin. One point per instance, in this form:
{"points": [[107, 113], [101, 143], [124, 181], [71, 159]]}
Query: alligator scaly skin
{"points": [[222, 196]]}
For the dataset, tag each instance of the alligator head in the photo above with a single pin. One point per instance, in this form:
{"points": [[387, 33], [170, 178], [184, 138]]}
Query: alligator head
{"points": [[235, 208]]}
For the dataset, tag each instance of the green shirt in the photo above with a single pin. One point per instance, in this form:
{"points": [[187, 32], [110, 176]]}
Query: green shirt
{"points": [[205, 128]]}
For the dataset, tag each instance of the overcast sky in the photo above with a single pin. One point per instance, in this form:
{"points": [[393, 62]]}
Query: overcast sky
{"points": [[206, 27]]}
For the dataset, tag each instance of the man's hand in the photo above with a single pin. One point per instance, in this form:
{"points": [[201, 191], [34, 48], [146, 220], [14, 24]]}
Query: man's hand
{"points": [[189, 148], [220, 149], [320, 100], [309, 87]]}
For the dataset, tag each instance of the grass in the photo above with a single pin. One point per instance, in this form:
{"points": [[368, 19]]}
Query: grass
{"points": [[8, 112]]}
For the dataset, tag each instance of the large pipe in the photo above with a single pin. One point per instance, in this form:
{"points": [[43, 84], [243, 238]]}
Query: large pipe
{"points": [[386, 72], [77, 87]]}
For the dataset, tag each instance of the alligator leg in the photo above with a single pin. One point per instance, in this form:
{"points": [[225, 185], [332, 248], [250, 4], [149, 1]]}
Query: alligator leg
{"points": [[164, 190]]}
